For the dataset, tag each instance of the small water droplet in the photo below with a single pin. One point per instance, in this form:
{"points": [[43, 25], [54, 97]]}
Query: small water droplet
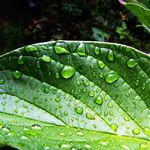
{"points": [[131, 63], [89, 116], [79, 133], [126, 118], [65, 113], [91, 93], [5, 129], [96, 50], [87, 146], [78, 110], [57, 99], [21, 60], [2, 81], [24, 138], [99, 100], [143, 86], [101, 64], [65, 146], [81, 50], [62, 134], [147, 131], [111, 77], [31, 48], [57, 75], [36, 127], [106, 113], [110, 55], [136, 131], [114, 127], [46, 58], [44, 47], [137, 82], [60, 50], [67, 72], [87, 83], [46, 90], [17, 74], [101, 75], [78, 82], [110, 105]]}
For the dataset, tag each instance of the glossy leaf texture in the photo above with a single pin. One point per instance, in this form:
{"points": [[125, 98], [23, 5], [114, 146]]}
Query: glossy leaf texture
{"points": [[75, 95], [141, 8]]}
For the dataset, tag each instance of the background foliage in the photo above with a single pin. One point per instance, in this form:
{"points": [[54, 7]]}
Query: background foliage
{"points": [[31, 21]]}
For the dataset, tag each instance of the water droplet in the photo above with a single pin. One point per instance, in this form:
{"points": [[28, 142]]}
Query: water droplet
{"points": [[46, 90], [147, 131], [31, 48], [57, 99], [65, 146], [78, 110], [101, 75], [100, 64], [111, 77], [81, 50], [44, 47], [2, 81], [114, 127], [91, 93], [67, 72], [62, 134], [36, 127], [131, 63], [46, 58], [136, 131], [99, 100], [21, 60], [106, 113], [79, 133], [126, 118], [17, 74], [60, 50], [137, 82], [65, 113], [78, 82], [110, 104], [24, 138], [5, 129], [57, 75], [87, 83], [87, 146], [110, 55], [96, 50], [143, 86], [89, 116]]}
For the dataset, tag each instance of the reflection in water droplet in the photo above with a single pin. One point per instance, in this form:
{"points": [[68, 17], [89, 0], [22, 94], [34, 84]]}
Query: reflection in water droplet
{"points": [[30, 48], [136, 131], [111, 77], [99, 100], [60, 50], [78, 110], [110, 55], [17, 74], [2, 81], [21, 60], [46, 58], [89, 116], [114, 127], [101, 64], [131, 63], [67, 72], [81, 50]]}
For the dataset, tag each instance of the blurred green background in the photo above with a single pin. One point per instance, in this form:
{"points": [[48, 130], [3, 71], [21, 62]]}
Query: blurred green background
{"points": [[25, 22]]}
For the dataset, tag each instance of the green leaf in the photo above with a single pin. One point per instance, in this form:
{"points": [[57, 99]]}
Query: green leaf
{"points": [[141, 8], [95, 96]]}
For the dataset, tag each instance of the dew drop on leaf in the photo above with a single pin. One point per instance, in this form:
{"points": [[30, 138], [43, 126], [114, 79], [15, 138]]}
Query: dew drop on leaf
{"points": [[57, 99], [110, 105], [131, 63], [46, 58], [36, 127], [137, 82], [78, 110], [17, 74], [81, 50], [111, 77], [99, 100], [136, 131], [2, 81], [114, 127], [57, 75], [96, 50], [65, 113], [60, 50], [89, 116], [67, 72], [100, 64], [46, 90], [110, 55], [91, 93], [21, 60], [5, 129], [79, 133], [30, 48]]}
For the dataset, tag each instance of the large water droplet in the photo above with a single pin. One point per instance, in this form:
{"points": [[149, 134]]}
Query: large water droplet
{"points": [[101, 64], [99, 100], [81, 50], [67, 72], [136, 131], [110, 55], [131, 63], [114, 127], [111, 77], [78, 110], [2, 81], [17, 74], [31, 48], [96, 50], [89, 116], [46, 58], [21, 60], [60, 50]]}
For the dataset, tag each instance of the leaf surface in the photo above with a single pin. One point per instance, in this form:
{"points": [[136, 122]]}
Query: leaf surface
{"points": [[73, 95]]}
